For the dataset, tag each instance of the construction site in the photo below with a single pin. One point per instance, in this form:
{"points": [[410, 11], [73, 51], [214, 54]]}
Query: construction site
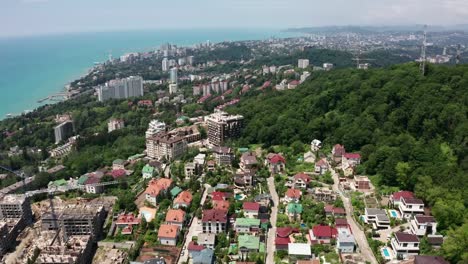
{"points": [[63, 231]]}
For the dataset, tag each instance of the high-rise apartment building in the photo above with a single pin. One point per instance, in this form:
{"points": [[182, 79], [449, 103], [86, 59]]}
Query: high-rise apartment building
{"points": [[63, 131], [165, 146], [222, 126], [303, 63], [165, 64], [173, 77], [121, 88]]}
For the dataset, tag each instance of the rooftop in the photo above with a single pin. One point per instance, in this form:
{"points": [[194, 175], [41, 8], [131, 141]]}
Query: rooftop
{"points": [[214, 215], [249, 241], [168, 231], [299, 249], [175, 215], [251, 206], [405, 237], [247, 222]]}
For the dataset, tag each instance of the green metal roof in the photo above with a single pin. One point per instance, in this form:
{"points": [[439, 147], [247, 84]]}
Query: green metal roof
{"points": [[82, 179], [175, 191], [118, 161], [242, 150], [59, 182], [248, 241], [294, 208], [147, 169], [136, 156], [247, 222]]}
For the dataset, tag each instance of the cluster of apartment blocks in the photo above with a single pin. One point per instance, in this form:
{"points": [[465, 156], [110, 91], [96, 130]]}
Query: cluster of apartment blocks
{"points": [[212, 87], [121, 88]]}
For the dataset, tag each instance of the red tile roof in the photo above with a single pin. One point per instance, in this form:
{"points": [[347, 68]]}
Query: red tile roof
{"points": [[293, 193], [341, 222], [324, 231], [119, 173], [195, 247], [127, 219], [276, 158], [214, 215], [412, 200], [168, 231], [127, 230], [306, 178], [405, 237], [175, 216], [282, 240], [286, 231], [352, 155], [294, 82], [251, 206], [217, 196], [220, 204], [155, 186], [184, 197], [405, 194], [338, 210]]}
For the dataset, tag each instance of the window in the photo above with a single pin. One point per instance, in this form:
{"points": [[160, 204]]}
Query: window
{"points": [[405, 245]]}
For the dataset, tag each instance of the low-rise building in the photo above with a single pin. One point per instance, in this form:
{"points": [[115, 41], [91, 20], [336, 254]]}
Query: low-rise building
{"points": [[248, 243], [299, 251], [175, 217], [301, 181], [361, 183], [118, 164], [423, 225], [322, 234], [214, 221], [292, 195], [321, 166], [115, 124], [207, 240], [351, 159], [168, 234], [396, 197], [244, 179], [409, 207], [246, 225], [294, 211], [405, 245], [190, 170], [223, 156], [337, 152], [248, 161], [251, 209], [157, 187], [275, 163], [148, 171], [323, 194], [377, 217], [345, 242], [205, 256], [184, 199]]}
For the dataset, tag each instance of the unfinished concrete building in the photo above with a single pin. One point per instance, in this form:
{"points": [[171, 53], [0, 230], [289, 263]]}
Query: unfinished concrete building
{"points": [[76, 250]]}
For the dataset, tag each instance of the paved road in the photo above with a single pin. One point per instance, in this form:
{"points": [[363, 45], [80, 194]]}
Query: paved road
{"points": [[194, 229], [274, 214], [366, 251]]}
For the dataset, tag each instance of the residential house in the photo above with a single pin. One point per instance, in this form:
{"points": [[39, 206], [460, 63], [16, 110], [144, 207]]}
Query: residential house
{"points": [[175, 217], [396, 197], [251, 209], [194, 247], [118, 164], [223, 156], [300, 251], [148, 171], [211, 165], [321, 166], [405, 245], [156, 188], [410, 206], [206, 256], [263, 199], [275, 163], [293, 84], [435, 241], [248, 243], [337, 152], [214, 221], [247, 225], [345, 242], [200, 159], [190, 170], [126, 222], [244, 179], [207, 240], [323, 194], [301, 181], [351, 159], [361, 183], [248, 161], [281, 243], [294, 211], [330, 210], [91, 185], [220, 204], [184, 199], [348, 170], [168, 234], [423, 225], [341, 223], [322, 234], [292, 195], [217, 196], [377, 217]]}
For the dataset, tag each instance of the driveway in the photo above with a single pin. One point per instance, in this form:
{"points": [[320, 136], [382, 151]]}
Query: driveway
{"points": [[194, 229], [270, 258], [361, 239]]}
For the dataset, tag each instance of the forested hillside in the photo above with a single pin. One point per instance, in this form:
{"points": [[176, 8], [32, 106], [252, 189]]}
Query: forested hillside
{"points": [[412, 131]]}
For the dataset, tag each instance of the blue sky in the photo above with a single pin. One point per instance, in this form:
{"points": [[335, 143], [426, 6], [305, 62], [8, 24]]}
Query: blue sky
{"points": [[36, 17]]}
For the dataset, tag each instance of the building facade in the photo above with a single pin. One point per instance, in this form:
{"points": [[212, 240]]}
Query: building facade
{"points": [[222, 126], [121, 88]]}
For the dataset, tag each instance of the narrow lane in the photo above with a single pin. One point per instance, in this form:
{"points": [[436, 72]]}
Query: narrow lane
{"points": [[270, 258]]}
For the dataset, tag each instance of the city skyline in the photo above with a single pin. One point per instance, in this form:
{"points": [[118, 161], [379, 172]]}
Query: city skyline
{"points": [[41, 17]]}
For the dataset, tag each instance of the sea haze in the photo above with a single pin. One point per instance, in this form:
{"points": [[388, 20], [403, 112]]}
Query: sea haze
{"points": [[32, 68]]}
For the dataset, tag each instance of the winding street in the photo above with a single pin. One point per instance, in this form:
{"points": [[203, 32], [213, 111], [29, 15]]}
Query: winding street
{"points": [[360, 237], [270, 258]]}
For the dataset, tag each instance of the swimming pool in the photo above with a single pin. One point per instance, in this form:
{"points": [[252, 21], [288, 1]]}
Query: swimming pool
{"points": [[385, 252], [393, 213]]}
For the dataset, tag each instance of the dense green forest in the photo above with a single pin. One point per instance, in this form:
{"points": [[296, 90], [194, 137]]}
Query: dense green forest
{"points": [[411, 130]]}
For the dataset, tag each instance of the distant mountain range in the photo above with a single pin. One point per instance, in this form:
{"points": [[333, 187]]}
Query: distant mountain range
{"points": [[377, 29]]}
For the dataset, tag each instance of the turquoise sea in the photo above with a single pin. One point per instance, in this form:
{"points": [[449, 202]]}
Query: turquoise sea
{"points": [[32, 68]]}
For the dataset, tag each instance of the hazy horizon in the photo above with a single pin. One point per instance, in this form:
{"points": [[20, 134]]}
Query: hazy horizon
{"points": [[45, 17]]}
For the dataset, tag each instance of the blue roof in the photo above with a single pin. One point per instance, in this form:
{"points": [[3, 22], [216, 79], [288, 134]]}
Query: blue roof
{"points": [[203, 257]]}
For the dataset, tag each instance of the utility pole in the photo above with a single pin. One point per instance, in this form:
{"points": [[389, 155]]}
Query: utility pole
{"points": [[422, 59]]}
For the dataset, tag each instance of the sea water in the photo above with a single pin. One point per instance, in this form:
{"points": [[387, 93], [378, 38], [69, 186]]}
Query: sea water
{"points": [[32, 68]]}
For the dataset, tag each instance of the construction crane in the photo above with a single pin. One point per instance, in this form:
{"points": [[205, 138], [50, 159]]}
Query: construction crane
{"points": [[423, 58], [358, 60]]}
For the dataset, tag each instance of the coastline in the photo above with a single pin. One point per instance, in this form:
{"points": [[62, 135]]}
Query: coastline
{"points": [[85, 56]]}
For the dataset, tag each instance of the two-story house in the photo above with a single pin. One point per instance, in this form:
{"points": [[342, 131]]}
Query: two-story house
{"points": [[396, 197], [321, 166], [214, 221], [292, 195], [275, 163], [337, 152], [175, 217], [405, 245], [168, 234], [157, 187], [377, 217], [248, 161], [352, 159], [323, 194], [207, 240], [322, 234], [244, 179], [251, 209], [246, 225], [148, 171], [423, 225], [345, 243], [410, 206], [223, 156], [184, 199], [301, 181], [294, 211]]}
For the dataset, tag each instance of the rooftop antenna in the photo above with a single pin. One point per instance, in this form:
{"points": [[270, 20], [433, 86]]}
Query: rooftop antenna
{"points": [[358, 59], [422, 59]]}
